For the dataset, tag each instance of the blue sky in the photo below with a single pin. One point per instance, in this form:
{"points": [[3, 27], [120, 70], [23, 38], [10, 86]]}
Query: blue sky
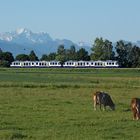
{"points": [[77, 20]]}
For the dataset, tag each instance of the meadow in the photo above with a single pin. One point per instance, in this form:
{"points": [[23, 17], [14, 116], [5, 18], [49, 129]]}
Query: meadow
{"points": [[56, 104]]}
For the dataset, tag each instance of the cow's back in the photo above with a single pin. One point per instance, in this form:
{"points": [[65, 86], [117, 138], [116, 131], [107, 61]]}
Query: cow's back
{"points": [[107, 99]]}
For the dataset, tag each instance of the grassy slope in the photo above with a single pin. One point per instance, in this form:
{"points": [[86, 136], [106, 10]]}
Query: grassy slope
{"points": [[56, 104]]}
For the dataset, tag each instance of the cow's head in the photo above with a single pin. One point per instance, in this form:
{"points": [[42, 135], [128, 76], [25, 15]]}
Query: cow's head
{"points": [[112, 106]]}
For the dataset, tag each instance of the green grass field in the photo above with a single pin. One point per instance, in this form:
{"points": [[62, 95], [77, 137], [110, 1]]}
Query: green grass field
{"points": [[56, 104]]}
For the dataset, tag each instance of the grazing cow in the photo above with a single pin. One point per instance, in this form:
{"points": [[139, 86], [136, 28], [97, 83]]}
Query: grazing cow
{"points": [[101, 98], [135, 107]]}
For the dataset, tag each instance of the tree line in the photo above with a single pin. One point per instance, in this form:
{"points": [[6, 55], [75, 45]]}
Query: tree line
{"points": [[127, 54]]}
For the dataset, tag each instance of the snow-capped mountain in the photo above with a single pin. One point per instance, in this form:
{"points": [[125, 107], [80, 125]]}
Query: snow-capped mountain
{"points": [[24, 40], [23, 35]]}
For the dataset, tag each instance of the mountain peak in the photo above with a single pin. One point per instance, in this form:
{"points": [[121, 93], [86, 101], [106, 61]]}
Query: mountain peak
{"points": [[22, 30], [24, 35]]}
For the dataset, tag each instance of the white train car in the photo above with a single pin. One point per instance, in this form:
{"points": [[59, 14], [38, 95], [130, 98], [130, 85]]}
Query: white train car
{"points": [[67, 64], [82, 64], [111, 63], [70, 63], [91, 64], [97, 64], [27, 64], [54, 64], [104, 64]]}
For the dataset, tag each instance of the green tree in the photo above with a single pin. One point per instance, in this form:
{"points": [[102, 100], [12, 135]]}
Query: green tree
{"points": [[4, 63], [82, 54], [7, 56], [71, 53], [48, 57], [51, 56], [61, 54], [122, 53], [44, 57], [108, 54], [22, 57], [129, 55], [32, 56], [135, 56], [0, 50], [102, 50], [61, 50], [1, 54]]}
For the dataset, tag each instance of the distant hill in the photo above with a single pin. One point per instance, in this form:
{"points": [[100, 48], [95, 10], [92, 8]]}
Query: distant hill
{"points": [[24, 40]]}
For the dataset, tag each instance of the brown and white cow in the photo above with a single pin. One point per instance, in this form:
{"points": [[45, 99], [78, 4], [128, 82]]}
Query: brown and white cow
{"points": [[135, 107], [101, 98]]}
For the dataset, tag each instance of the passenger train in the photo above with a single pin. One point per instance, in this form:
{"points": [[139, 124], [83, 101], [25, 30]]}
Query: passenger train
{"points": [[67, 64]]}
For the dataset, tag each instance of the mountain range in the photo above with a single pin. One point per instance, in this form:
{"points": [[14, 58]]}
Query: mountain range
{"points": [[24, 40]]}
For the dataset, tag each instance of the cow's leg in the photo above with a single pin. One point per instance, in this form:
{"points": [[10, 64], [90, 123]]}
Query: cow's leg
{"points": [[134, 115], [137, 113], [95, 105], [137, 116], [94, 102], [100, 106], [104, 108]]}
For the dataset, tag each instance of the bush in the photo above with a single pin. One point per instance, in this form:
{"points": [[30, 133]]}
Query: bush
{"points": [[4, 63]]}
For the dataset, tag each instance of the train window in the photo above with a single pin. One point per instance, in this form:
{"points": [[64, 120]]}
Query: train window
{"points": [[112, 63], [32, 63], [36, 63], [87, 63]]}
